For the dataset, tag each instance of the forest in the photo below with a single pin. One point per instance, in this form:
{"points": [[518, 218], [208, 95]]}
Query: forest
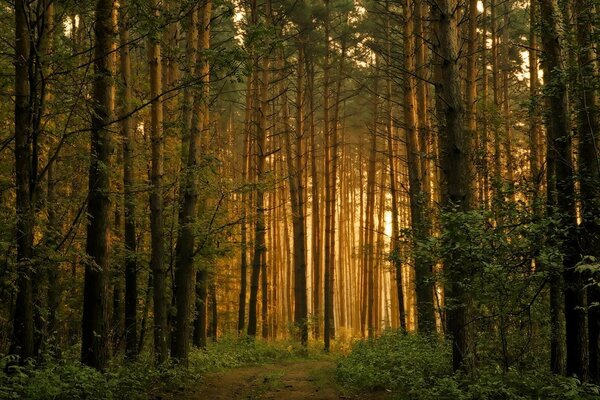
{"points": [[296, 199]]}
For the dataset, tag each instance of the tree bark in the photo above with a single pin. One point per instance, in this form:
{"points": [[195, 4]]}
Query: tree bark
{"points": [[184, 262], [94, 339], [588, 126], [559, 181], [128, 186], [296, 188], [260, 248], [455, 147], [22, 341], [156, 197]]}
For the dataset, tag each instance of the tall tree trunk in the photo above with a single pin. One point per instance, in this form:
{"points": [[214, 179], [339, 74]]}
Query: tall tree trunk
{"points": [[94, 338], [156, 197], [534, 120], [588, 126], [497, 179], [368, 256], [424, 284], [505, 66], [329, 212], [128, 186], [22, 341], [244, 223], [559, 179], [315, 205], [54, 226], [296, 186], [455, 147], [260, 248], [184, 261]]}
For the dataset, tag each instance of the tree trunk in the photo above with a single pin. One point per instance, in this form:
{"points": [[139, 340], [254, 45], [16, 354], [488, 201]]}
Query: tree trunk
{"points": [[315, 206], [456, 171], [424, 284], [184, 261], [295, 179], [200, 322], [127, 130], [156, 197], [260, 248], [588, 126], [22, 341], [559, 181], [94, 339], [244, 224]]}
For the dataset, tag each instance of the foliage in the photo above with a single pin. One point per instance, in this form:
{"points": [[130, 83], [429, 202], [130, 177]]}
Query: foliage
{"points": [[69, 380], [418, 367]]}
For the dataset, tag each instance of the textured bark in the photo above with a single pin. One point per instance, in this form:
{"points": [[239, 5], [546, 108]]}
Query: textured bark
{"points": [[497, 156], [127, 130], [200, 322], [559, 187], [316, 243], [156, 198], [296, 188], [535, 166], [505, 66], [329, 212], [456, 171], [260, 248], [22, 341], [588, 126], [94, 339], [368, 250], [184, 262], [244, 223], [424, 283]]}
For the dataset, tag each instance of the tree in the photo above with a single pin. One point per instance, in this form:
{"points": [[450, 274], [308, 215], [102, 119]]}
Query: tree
{"points": [[184, 265], [156, 197], [22, 337], [455, 148], [94, 339], [561, 205], [260, 247], [127, 130]]}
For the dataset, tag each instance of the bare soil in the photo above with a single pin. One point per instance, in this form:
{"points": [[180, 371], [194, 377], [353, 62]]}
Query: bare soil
{"points": [[293, 380]]}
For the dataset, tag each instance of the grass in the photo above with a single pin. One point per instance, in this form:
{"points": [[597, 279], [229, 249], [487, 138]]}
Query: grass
{"points": [[67, 379]]}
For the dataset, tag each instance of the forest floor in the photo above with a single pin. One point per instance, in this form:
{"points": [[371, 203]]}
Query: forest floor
{"points": [[289, 380]]}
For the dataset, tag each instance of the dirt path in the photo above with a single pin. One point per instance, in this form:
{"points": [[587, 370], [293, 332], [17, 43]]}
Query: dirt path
{"points": [[293, 380]]}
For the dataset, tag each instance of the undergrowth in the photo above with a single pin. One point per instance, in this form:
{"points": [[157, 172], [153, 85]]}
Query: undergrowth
{"points": [[419, 368], [67, 379]]}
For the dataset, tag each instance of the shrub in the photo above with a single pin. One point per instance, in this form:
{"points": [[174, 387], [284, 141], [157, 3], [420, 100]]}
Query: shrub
{"points": [[419, 368], [70, 380]]}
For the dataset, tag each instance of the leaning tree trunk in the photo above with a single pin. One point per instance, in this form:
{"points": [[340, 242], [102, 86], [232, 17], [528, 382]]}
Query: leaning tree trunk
{"points": [[94, 335]]}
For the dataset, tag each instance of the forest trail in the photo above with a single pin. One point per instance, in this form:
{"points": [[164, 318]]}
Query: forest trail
{"points": [[291, 380]]}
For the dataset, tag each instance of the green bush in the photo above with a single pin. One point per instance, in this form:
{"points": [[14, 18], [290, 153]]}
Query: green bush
{"points": [[67, 379], [395, 361], [419, 368]]}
